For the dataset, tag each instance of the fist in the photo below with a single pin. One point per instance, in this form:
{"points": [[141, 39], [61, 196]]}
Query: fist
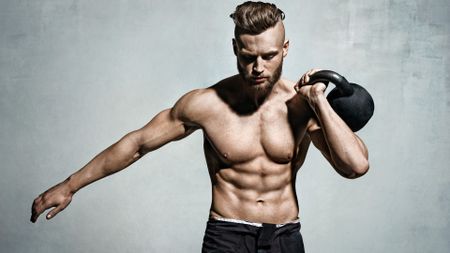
{"points": [[310, 92]]}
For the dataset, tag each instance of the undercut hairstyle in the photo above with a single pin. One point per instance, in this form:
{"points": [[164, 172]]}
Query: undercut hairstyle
{"points": [[255, 17]]}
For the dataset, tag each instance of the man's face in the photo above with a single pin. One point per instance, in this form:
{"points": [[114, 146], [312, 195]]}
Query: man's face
{"points": [[260, 57]]}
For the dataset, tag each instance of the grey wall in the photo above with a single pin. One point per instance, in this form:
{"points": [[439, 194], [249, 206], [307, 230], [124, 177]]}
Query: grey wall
{"points": [[75, 76]]}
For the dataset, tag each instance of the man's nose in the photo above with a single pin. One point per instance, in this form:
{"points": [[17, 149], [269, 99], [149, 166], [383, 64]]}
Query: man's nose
{"points": [[258, 65]]}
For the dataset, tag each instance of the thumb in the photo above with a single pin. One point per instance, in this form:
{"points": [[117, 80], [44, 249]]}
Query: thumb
{"points": [[319, 86], [54, 212]]}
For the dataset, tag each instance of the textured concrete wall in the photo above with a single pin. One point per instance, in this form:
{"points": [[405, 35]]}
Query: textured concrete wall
{"points": [[75, 76]]}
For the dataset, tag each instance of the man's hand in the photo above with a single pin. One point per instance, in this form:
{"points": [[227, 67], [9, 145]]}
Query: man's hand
{"points": [[59, 197], [310, 92]]}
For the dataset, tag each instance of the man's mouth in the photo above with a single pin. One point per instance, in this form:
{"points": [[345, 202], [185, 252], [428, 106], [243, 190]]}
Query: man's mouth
{"points": [[259, 80]]}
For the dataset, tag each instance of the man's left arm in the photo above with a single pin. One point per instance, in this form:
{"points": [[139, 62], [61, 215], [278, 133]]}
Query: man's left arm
{"points": [[345, 151]]}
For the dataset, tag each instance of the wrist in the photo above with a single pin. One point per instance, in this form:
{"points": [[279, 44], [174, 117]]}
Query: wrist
{"points": [[71, 185]]}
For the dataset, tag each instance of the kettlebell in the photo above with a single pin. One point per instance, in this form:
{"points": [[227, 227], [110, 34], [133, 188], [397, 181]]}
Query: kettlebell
{"points": [[350, 101]]}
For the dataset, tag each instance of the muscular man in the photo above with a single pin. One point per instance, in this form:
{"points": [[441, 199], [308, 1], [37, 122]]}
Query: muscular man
{"points": [[257, 129]]}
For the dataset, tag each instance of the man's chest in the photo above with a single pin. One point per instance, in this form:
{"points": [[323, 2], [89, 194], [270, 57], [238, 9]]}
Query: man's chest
{"points": [[269, 132]]}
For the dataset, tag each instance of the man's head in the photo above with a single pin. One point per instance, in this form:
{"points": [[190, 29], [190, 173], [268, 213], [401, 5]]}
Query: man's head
{"points": [[259, 44]]}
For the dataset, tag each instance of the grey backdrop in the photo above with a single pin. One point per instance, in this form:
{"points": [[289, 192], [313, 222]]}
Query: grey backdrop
{"points": [[75, 76]]}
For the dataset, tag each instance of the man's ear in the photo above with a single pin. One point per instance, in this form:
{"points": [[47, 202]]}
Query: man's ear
{"points": [[285, 48], [234, 47]]}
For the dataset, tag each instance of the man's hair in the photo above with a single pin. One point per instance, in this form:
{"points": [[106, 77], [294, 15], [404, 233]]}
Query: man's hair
{"points": [[255, 17]]}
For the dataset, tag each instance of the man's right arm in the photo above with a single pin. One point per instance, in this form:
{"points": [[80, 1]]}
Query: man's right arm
{"points": [[169, 125]]}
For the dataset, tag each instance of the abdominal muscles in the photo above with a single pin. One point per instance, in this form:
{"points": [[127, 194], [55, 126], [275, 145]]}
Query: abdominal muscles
{"points": [[257, 191]]}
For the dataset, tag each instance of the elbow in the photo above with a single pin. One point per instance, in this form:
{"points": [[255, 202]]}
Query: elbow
{"points": [[355, 170], [359, 169]]}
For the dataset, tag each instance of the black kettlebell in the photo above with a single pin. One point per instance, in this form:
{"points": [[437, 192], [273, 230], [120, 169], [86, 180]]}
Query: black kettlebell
{"points": [[349, 100]]}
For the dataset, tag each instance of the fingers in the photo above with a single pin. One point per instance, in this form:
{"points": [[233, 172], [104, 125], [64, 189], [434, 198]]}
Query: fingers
{"points": [[36, 209], [308, 74], [305, 79]]}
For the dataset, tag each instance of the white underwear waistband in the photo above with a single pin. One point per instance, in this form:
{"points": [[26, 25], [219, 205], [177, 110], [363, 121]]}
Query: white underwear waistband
{"points": [[255, 224]]}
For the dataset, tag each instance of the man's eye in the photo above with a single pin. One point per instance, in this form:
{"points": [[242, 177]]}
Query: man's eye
{"points": [[247, 58], [268, 57]]}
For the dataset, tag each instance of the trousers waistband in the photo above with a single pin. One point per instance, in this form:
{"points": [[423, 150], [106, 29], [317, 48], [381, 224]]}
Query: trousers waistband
{"points": [[255, 224]]}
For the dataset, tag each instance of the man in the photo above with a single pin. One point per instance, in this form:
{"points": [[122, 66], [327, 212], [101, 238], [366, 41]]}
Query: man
{"points": [[257, 129]]}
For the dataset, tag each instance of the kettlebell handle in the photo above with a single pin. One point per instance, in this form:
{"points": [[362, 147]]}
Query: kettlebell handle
{"points": [[349, 100], [326, 76]]}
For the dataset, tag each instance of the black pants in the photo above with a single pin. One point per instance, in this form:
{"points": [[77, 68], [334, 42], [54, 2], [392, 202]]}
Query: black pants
{"points": [[230, 237]]}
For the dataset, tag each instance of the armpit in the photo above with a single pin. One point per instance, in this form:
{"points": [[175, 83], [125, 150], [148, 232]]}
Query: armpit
{"points": [[312, 125]]}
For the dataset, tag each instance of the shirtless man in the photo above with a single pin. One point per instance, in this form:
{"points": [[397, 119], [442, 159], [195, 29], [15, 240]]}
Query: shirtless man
{"points": [[257, 129]]}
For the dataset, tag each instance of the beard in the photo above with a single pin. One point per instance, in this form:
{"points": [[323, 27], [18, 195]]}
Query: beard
{"points": [[260, 90]]}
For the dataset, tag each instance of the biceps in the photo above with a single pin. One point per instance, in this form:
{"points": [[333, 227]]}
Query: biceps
{"points": [[162, 129]]}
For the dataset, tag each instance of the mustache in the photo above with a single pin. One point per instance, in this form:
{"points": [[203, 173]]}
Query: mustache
{"points": [[251, 78]]}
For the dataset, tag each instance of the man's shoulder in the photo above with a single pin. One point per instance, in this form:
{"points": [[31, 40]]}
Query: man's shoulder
{"points": [[201, 97], [202, 102], [196, 100], [197, 95]]}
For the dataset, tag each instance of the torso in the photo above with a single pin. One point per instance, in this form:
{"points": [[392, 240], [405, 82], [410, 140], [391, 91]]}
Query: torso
{"points": [[253, 157]]}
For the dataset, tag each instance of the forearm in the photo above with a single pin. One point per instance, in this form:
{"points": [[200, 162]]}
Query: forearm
{"points": [[349, 154], [113, 159]]}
